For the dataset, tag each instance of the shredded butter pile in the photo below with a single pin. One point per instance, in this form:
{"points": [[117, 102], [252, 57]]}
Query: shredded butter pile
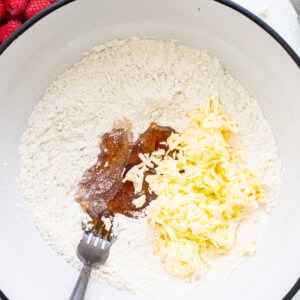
{"points": [[204, 190]]}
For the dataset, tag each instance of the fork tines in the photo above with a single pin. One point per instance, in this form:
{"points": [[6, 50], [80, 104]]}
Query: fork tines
{"points": [[95, 240], [98, 235]]}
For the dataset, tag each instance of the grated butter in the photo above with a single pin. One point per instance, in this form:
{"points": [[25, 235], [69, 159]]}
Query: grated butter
{"points": [[203, 193]]}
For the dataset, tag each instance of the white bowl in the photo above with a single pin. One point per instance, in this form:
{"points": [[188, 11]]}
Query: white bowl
{"points": [[263, 63]]}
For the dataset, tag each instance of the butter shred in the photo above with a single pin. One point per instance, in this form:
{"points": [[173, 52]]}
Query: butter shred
{"points": [[203, 193]]}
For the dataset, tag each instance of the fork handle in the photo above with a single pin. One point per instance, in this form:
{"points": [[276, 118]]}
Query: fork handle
{"points": [[82, 283]]}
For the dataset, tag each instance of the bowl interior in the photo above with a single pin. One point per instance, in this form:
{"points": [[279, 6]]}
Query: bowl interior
{"points": [[59, 40]]}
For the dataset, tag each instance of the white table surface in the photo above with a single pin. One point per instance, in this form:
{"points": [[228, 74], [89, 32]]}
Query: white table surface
{"points": [[280, 15]]}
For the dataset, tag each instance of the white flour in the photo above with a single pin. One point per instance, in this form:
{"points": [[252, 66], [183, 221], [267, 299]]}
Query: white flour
{"points": [[144, 80]]}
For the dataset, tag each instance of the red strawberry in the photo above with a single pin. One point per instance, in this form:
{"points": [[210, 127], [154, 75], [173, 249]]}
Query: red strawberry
{"points": [[2, 10], [15, 7], [7, 29], [35, 6]]}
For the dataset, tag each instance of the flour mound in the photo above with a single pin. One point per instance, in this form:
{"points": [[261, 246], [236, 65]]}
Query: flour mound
{"points": [[144, 81]]}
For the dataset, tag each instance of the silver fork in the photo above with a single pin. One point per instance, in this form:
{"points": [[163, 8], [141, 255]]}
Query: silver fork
{"points": [[296, 4], [91, 250]]}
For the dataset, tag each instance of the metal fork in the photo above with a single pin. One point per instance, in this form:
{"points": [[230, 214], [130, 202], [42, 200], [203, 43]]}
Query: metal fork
{"points": [[91, 250], [296, 4]]}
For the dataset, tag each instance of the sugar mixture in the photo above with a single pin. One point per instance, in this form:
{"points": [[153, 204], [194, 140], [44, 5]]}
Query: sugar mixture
{"points": [[144, 81]]}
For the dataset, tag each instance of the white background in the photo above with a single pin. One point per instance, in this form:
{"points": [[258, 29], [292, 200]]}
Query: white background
{"points": [[280, 15]]}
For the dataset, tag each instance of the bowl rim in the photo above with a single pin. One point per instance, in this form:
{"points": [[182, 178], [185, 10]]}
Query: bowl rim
{"points": [[276, 36], [27, 24]]}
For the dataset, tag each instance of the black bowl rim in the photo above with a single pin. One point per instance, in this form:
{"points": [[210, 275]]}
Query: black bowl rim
{"points": [[296, 287]]}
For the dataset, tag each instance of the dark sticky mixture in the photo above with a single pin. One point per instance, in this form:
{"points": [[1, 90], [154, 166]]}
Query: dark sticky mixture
{"points": [[102, 192]]}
